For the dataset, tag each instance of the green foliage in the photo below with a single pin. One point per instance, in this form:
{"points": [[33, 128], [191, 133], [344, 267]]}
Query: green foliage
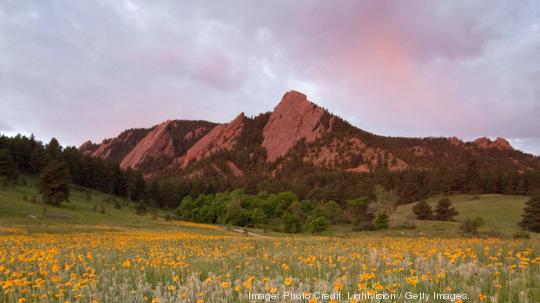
{"points": [[356, 210], [332, 211], [531, 215], [386, 201], [54, 183], [317, 224], [291, 223], [381, 221], [423, 210], [444, 211], [282, 210], [8, 172], [470, 226]]}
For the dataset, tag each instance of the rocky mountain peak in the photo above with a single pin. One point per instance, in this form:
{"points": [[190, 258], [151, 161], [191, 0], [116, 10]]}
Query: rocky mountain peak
{"points": [[293, 119]]}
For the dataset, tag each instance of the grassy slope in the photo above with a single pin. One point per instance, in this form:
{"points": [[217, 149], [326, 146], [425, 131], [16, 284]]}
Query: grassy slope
{"points": [[76, 215], [500, 212]]}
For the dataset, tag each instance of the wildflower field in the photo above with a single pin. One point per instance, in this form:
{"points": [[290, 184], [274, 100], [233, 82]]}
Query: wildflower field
{"points": [[195, 267]]}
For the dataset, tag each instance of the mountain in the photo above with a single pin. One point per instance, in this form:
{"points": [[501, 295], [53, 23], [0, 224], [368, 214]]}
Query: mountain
{"points": [[296, 128], [303, 147], [150, 149]]}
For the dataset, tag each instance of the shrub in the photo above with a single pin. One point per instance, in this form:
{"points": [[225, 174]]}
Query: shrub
{"points": [[381, 222], [317, 224], [470, 226], [444, 210], [291, 223], [423, 210]]}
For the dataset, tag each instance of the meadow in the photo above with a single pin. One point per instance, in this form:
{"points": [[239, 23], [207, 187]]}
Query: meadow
{"points": [[188, 267], [75, 254]]}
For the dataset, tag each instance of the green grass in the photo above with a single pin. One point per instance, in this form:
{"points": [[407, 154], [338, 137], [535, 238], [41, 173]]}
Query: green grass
{"points": [[501, 213], [21, 206]]}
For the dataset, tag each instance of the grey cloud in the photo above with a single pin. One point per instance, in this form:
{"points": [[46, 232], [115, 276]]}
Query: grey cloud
{"points": [[466, 68]]}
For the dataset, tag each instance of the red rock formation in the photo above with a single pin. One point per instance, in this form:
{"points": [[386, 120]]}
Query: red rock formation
{"points": [[502, 144], [158, 142], [336, 153], [87, 148], [362, 168], [499, 143], [235, 170], [222, 136], [482, 142], [455, 141], [195, 133], [293, 119], [104, 149]]}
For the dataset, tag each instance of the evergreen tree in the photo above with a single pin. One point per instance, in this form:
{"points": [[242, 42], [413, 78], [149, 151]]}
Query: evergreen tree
{"points": [[531, 215], [53, 151], [423, 210], [444, 210], [54, 183], [472, 177], [8, 170], [37, 159]]}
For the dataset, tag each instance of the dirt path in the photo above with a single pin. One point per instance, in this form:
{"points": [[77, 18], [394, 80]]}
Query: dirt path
{"points": [[251, 234]]}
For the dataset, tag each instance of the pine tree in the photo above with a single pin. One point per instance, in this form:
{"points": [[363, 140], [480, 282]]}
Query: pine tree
{"points": [[53, 151], [423, 210], [8, 171], [472, 177], [444, 210], [54, 183], [531, 215]]}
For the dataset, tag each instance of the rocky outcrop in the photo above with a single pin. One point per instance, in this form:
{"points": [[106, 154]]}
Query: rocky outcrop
{"points": [[455, 141], [221, 137], [157, 143], [293, 119], [87, 148], [104, 149], [235, 170], [335, 154], [499, 143]]}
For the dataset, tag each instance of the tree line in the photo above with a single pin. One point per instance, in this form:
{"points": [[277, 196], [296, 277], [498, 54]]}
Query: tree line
{"points": [[58, 167], [315, 197]]}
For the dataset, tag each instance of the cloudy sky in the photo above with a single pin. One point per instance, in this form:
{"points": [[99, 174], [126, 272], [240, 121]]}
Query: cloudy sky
{"points": [[81, 70]]}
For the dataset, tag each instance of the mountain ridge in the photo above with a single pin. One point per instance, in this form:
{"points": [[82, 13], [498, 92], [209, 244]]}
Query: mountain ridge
{"points": [[296, 129]]}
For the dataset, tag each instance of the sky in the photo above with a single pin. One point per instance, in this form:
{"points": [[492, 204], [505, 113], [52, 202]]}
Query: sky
{"points": [[80, 70]]}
